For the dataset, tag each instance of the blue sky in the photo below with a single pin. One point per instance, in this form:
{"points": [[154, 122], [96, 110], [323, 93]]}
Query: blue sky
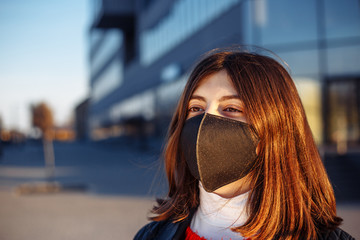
{"points": [[43, 57]]}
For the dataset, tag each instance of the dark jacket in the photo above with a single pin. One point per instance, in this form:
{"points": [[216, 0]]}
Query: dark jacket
{"points": [[167, 230], [163, 230]]}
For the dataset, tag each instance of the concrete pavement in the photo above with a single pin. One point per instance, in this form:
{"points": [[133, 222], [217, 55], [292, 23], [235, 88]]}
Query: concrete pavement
{"points": [[106, 192], [70, 216]]}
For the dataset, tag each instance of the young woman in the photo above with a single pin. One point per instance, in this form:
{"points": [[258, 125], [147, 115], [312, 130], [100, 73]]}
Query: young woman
{"points": [[240, 159]]}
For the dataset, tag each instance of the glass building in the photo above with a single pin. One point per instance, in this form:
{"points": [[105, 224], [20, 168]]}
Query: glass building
{"points": [[141, 52]]}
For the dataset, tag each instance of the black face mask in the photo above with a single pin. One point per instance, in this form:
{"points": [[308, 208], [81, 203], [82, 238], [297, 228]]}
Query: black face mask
{"points": [[218, 150]]}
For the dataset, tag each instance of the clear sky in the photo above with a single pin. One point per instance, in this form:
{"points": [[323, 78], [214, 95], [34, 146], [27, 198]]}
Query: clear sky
{"points": [[43, 57]]}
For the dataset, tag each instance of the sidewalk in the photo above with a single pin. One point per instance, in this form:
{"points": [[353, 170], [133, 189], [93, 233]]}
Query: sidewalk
{"points": [[113, 204], [71, 216]]}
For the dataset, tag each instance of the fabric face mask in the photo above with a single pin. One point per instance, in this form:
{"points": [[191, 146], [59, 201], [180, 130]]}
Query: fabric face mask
{"points": [[218, 150]]}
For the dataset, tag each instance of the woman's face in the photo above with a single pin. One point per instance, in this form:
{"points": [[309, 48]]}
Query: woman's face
{"points": [[216, 95]]}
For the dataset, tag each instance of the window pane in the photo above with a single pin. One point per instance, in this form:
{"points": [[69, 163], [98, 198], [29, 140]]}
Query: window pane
{"points": [[310, 93], [343, 60], [342, 18], [286, 20], [302, 62], [110, 45], [108, 80], [344, 114]]}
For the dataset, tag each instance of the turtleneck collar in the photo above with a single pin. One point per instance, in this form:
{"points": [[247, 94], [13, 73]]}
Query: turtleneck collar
{"points": [[216, 215]]}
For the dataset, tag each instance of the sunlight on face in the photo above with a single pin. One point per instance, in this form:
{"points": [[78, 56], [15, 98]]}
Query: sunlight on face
{"points": [[216, 95]]}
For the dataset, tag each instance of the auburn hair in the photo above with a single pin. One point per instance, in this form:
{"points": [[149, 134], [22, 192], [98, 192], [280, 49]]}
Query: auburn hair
{"points": [[291, 195]]}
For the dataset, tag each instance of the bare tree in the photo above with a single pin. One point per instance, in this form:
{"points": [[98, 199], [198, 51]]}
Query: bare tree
{"points": [[42, 118]]}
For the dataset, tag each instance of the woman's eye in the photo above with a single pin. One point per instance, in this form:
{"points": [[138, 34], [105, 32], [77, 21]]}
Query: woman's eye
{"points": [[195, 109], [230, 109]]}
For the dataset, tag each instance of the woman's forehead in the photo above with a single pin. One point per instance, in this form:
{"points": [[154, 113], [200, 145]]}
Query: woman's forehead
{"points": [[216, 83]]}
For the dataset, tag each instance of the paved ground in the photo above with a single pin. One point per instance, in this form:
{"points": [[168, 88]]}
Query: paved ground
{"points": [[71, 216], [106, 193]]}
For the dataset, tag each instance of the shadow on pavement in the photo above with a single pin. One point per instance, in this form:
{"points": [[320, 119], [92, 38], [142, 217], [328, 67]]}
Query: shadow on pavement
{"points": [[111, 168]]}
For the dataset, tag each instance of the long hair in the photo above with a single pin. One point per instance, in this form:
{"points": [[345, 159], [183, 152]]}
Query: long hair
{"points": [[291, 196]]}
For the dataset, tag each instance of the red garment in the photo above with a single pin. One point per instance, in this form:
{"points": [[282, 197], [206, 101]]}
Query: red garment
{"points": [[190, 235]]}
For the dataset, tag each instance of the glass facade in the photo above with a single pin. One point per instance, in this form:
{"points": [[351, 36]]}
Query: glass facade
{"points": [[139, 105], [310, 93], [286, 21], [342, 18], [111, 42], [342, 79], [106, 62], [343, 60], [108, 81], [318, 39], [95, 7], [95, 37], [343, 113], [302, 62], [185, 18]]}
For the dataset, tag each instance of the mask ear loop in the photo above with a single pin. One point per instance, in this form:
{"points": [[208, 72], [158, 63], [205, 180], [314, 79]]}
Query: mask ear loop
{"points": [[197, 146]]}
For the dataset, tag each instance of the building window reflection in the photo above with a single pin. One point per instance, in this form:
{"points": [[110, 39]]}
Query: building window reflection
{"points": [[142, 104], [342, 18], [185, 18], [95, 37], [343, 60], [283, 21], [309, 89], [318, 39], [112, 40], [302, 62], [343, 111], [108, 81]]}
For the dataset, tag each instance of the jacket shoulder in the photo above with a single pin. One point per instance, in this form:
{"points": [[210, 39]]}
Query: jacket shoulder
{"points": [[161, 230], [336, 234]]}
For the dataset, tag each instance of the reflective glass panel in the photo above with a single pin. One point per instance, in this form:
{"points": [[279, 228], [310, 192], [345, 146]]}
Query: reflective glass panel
{"points": [[344, 111], [110, 45], [184, 19], [302, 62], [285, 21], [108, 81], [310, 93], [343, 60], [342, 18]]}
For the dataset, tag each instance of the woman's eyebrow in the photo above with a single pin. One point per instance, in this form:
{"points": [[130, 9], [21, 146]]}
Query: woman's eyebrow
{"points": [[198, 98], [229, 97]]}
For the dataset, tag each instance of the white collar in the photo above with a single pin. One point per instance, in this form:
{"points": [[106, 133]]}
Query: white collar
{"points": [[226, 212], [216, 215]]}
